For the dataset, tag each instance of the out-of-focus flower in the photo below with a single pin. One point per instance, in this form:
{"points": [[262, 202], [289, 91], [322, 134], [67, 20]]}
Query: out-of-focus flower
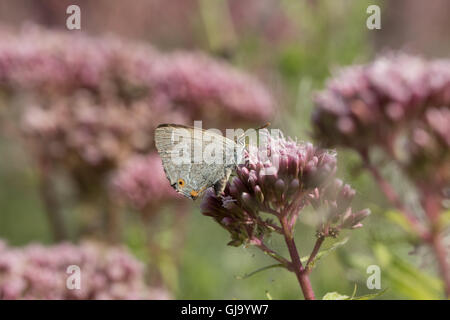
{"points": [[399, 103], [38, 272], [210, 89], [281, 179], [142, 183], [62, 63], [335, 199], [88, 104], [268, 19]]}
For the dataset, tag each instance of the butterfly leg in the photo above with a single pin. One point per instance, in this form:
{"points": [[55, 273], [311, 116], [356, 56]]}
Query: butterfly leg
{"points": [[219, 186]]}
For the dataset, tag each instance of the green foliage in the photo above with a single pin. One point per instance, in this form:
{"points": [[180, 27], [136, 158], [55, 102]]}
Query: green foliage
{"points": [[399, 219], [404, 278], [325, 252], [337, 296], [445, 219], [248, 275]]}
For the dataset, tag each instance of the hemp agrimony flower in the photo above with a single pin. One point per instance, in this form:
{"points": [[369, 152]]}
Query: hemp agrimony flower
{"points": [[270, 190], [106, 272], [87, 106], [399, 104]]}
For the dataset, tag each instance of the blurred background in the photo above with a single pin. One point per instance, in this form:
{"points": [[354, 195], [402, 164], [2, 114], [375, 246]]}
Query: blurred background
{"points": [[237, 63]]}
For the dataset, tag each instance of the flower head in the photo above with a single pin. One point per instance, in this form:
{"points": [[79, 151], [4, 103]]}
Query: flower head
{"points": [[141, 182], [280, 179], [38, 272], [88, 104], [398, 103]]}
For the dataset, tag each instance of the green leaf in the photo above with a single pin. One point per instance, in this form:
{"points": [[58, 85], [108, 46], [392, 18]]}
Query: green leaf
{"points": [[269, 297], [247, 275], [335, 296], [383, 255], [369, 296], [323, 253], [444, 219], [399, 219], [234, 243], [406, 279], [354, 291]]}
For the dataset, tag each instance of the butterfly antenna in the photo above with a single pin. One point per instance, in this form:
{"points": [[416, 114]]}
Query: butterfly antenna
{"points": [[262, 127]]}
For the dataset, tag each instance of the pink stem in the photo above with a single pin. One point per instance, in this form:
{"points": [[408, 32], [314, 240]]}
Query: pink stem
{"points": [[441, 255], [299, 270], [52, 206], [432, 207], [393, 198], [314, 253]]}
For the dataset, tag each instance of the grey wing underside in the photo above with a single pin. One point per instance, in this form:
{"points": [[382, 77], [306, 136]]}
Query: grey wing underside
{"points": [[199, 174]]}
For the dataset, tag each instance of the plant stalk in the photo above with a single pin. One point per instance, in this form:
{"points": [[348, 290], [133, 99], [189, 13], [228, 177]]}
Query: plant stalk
{"points": [[300, 272], [52, 207], [394, 199], [432, 207], [314, 253], [441, 255]]}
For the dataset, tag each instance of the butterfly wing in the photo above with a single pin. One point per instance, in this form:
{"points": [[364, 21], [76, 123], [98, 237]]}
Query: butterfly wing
{"points": [[165, 145], [198, 173]]}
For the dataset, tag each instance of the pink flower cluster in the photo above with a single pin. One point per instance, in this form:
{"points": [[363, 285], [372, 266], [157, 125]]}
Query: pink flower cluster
{"points": [[265, 18], [211, 89], [400, 103], [119, 86], [38, 272], [278, 180], [141, 182], [89, 104], [294, 176]]}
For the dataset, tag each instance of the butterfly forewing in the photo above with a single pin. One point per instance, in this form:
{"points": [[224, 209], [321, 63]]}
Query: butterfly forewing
{"points": [[186, 153]]}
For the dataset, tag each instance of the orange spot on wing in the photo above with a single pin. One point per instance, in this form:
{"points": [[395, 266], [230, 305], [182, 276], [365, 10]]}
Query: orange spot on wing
{"points": [[194, 194]]}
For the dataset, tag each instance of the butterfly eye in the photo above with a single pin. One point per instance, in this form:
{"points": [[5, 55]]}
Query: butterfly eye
{"points": [[181, 182]]}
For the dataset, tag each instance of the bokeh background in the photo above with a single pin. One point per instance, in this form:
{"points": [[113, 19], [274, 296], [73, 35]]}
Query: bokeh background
{"points": [[291, 48]]}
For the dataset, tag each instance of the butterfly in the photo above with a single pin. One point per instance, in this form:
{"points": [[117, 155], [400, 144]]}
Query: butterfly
{"points": [[191, 177]]}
